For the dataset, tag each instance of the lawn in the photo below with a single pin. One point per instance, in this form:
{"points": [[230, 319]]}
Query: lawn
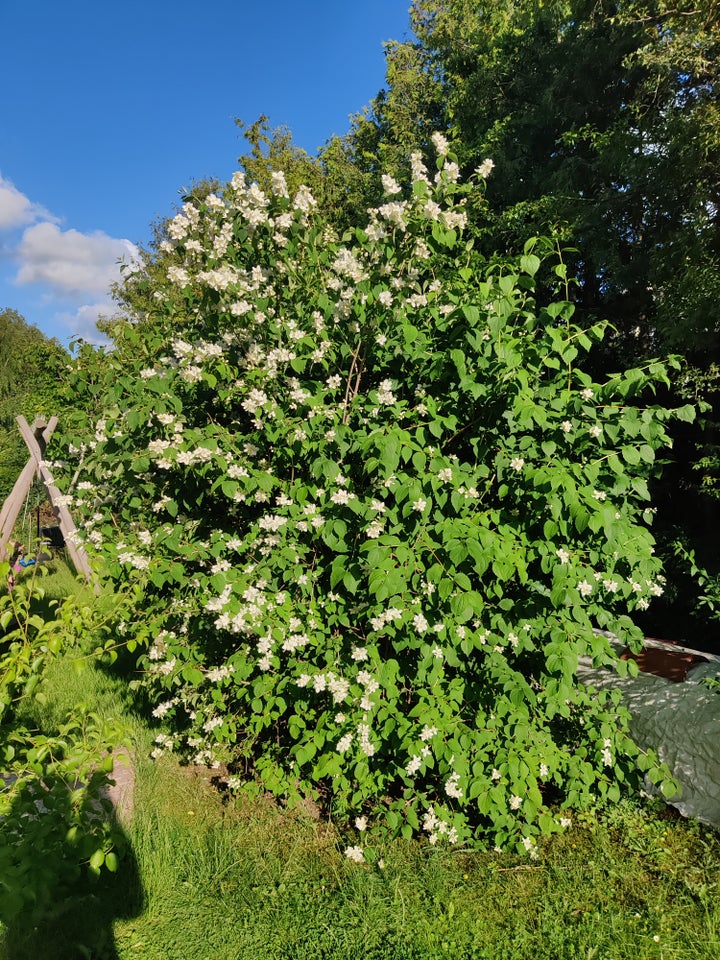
{"points": [[209, 877]]}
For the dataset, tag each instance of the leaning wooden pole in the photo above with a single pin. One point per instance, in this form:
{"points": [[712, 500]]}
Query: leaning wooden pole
{"points": [[62, 514], [43, 430]]}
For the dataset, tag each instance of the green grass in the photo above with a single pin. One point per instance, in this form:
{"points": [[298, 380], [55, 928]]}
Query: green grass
{"points": [[55, 579], [205, 878], [209, 882]]}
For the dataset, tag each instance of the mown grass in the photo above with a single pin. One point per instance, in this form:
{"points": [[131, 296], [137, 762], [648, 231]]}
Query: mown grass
{"points": [[211, 882], [50, 582], [205, 878]]}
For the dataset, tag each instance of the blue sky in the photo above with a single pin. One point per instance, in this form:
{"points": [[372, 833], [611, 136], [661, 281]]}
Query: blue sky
{"points": [[110, 110]]}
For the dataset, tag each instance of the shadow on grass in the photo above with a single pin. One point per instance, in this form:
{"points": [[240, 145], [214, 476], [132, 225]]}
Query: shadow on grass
{"points": [[79, 924]]}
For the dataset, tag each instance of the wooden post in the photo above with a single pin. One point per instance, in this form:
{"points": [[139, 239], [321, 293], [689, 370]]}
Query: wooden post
{"points": [[13, 505], [62, 514]]}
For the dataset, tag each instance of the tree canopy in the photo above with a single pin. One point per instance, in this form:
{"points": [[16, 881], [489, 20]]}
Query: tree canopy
{"points": [[31, 369]]}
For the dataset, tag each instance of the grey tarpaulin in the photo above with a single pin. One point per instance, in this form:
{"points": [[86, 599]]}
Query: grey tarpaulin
{"points": [[681, 723]]}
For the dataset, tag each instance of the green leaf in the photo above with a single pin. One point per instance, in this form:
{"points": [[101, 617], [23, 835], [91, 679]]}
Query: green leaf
{"points": [[530, 264], [686, 413]]}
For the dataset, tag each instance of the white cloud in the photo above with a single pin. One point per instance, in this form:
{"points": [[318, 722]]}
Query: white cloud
{"points": [[16, 210], [69, 261], [83, 322]]}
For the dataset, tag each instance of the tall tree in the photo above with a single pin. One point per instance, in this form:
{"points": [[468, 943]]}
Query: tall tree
{"points": [[31, 369], [603, 121]]}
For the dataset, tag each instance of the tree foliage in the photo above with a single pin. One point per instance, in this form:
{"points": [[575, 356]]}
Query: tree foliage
{"points": [[602, 118], [603, 122], [31, 369]]}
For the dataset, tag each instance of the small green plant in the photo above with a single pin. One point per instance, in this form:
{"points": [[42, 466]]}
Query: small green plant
{"points": [[708, 601], [54, 814]]}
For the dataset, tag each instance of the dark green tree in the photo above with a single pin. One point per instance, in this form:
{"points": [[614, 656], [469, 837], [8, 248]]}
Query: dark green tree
{"points": [[602, 119], [32, 367]]}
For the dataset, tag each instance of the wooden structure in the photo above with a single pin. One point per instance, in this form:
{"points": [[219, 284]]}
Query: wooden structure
{"points": [[36, 438]]}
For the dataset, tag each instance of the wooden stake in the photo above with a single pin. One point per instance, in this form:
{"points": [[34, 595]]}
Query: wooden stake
{"points": [[36, 438], [13, 505], [62, 514]]}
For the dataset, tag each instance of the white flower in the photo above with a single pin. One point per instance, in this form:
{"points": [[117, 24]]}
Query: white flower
{"points": [[413, 765], [418, 170], [485, 169], [342, 496], [452, 786], [420, 623], [515, 802], [562, 555], [343, 744], [364, 739], [279, 186], [355, 854], [390, 186], [595, 431], [428, 733], [584, 588], [179, 276], [385, 298], [586, 394], [451, 172], [440, 143], [517, 463], [385, 394], [566, 426], [304, 200], [419, 504], [219, 673]]}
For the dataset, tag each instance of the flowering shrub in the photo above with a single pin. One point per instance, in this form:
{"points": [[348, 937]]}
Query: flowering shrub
{"points": [[369, 511]]}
